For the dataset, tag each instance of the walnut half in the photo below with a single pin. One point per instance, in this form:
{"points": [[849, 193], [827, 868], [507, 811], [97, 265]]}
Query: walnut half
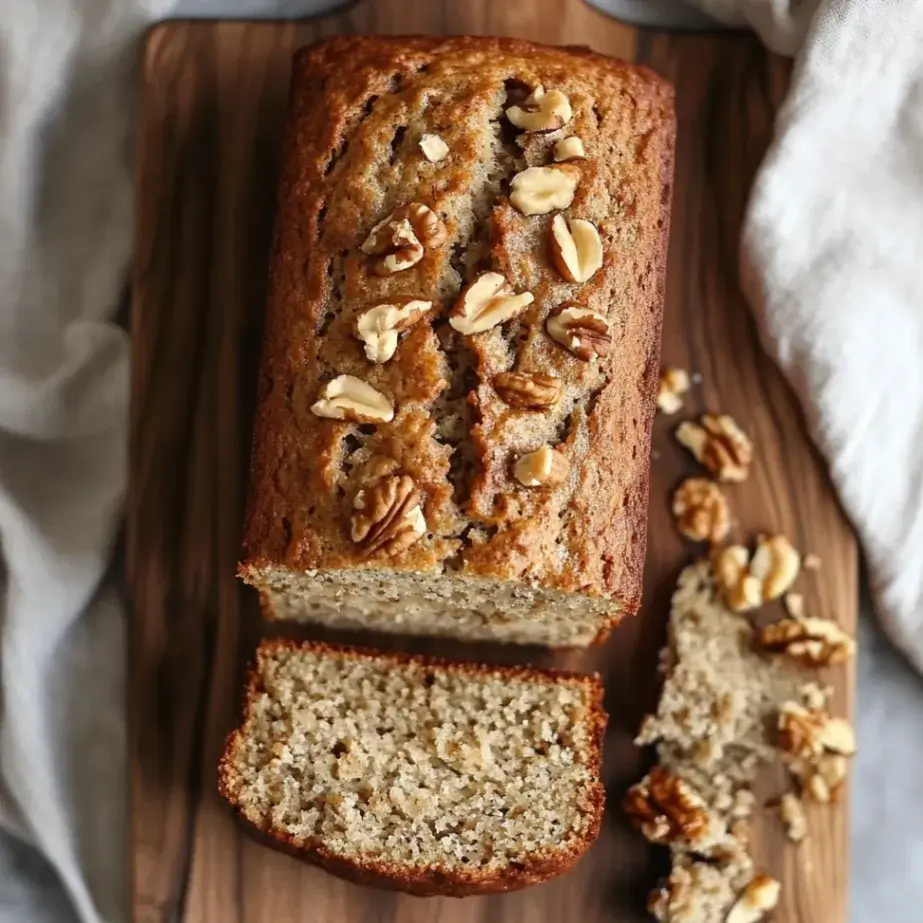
{"points": [[582, 331], [540, 190], [349, 398], [387, 516], [718, 444], [746, 583], [400, 240], [378, 327], [527, 391], [486, 302], [576, 249], [701, 511], [812, 642], [541, 111]]}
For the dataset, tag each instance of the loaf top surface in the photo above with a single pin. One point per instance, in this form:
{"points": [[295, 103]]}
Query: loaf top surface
{"points": [[359, 108]]}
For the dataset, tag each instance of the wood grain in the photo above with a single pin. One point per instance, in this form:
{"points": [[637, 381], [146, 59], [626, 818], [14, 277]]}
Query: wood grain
{"points": [[212, 104]]}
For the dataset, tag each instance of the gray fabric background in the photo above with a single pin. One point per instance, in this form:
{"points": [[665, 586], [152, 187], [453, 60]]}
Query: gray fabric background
{"points": [[887, 787]]}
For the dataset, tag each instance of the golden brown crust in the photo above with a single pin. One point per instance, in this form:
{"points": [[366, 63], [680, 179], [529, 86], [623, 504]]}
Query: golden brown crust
{"points": [[429, 880], [338, 181]]}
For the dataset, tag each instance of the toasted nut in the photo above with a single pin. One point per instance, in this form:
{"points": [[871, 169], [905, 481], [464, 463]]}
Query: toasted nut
{"points": [[378, 327], [674, 383], [387, 516], [541, 111], [794, 605], [800, 730], [350, 398], [526, 391], [701, 511], [545, 467], [812, 642], [539, 190], [576, 249], [667, 809], [434, 148], [486, 302], [719, 444], [399, 241], [791, 810], [837, 736], [740, 590], [758, 898], [568, 149], [584, 332], [776, 565]]}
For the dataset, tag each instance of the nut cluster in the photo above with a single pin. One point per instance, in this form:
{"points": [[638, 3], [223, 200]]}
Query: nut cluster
{"points": [[746, 583], [666, 809]]}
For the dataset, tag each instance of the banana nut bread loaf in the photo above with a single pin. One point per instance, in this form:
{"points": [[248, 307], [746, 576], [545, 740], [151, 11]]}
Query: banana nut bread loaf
{"points": [[462, 340], [416, 774]]}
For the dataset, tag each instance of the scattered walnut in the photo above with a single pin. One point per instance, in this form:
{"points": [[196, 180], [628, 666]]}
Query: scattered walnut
{"points": [[527, 391], [674, 383], [584, 332], [568, 149], [701, 511], [823, 780], [758, 898], [539, 190], [545, 467], [378, 327], [387, 516], [486, 302], [812, 642], [350, 398], [399, 241], [576, 249], [719, 444], [791, 810], [775, 564], [666, 809], [800, 730], [747, 583], [434, 148], [541, 111]]}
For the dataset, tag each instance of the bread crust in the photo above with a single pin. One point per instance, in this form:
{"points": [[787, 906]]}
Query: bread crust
{"points": [[336, 184], [434, 879]]}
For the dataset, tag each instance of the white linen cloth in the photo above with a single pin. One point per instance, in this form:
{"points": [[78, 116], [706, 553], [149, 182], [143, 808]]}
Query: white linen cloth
{"points": [[833, 241]]}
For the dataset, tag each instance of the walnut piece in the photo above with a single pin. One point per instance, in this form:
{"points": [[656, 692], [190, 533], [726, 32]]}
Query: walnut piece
{"points": [[568, 149], [816, 748], [378, 327], [757, 899], [539, 190], [794, 603], [674, 383], [666, 809], [718, 444], [387, 516], [486, 302], [747, 583], [527, 391], [350, 398], [812, 642], [576, 249], [541, 111], [701, 511], [811, 561], [400, 240], [794, 819], [434, 148], [582, 331], [545, 467]]}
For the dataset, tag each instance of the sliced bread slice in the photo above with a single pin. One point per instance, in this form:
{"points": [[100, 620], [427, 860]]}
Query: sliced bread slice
{"points": [[416, 774]]}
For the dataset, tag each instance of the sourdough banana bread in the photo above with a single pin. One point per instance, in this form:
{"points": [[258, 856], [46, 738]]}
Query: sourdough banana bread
{"points": [[416, 774], [462, 340]]}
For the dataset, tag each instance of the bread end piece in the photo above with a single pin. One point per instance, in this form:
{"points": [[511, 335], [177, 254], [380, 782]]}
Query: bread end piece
{"points": [[378, 772]]}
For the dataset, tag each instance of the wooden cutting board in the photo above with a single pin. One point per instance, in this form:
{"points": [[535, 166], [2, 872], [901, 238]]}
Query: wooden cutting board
{"points": [[212, 103]]}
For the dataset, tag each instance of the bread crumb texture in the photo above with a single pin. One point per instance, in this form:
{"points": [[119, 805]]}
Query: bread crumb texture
{"points": [[353, 157], [418, 771]]}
